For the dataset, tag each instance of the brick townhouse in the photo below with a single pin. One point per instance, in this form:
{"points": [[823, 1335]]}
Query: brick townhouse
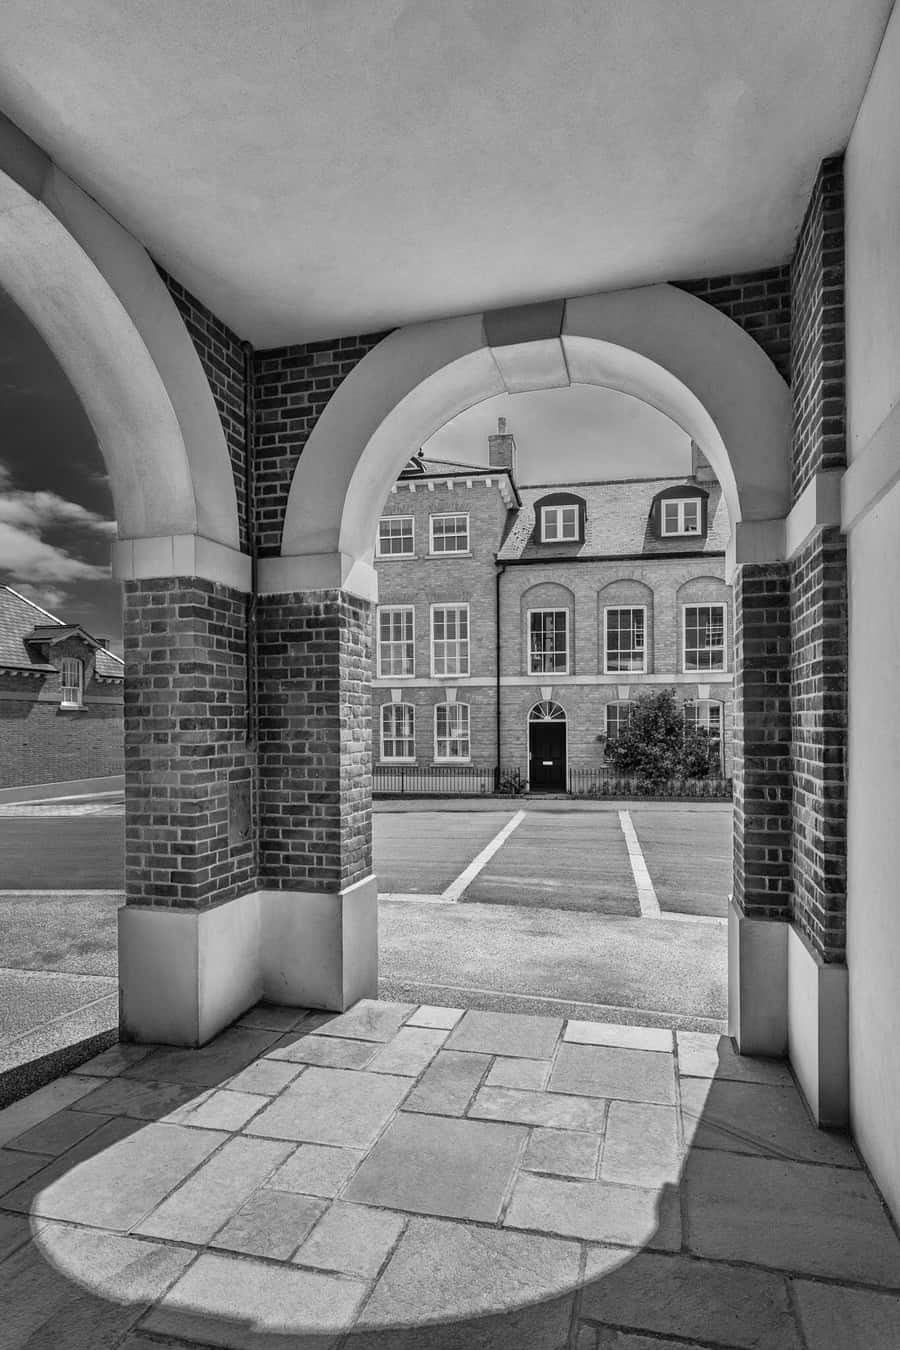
{"points": [[60, 698], [516, 625]]}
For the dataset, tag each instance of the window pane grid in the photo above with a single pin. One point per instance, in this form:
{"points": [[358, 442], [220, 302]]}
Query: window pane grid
{"points": [[559, 524], [451, 731], [681, 516], [704, 637], [624, 640], [71, 679], [398, 731], [618, 715], [449, 534], [548, 641], [450, 640], [395, 536], [396, 648]]}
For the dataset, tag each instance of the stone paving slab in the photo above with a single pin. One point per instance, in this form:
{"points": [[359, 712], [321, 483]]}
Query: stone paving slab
{"points": [[438, 1165], [555, 1110], [271, 1223], [332, 1106], [596, 1211], [612, 1071], [244, 1304], [432, 1210], [208, 1199], [511, 1034], [834, 1318], [476, 1288], [793, 1216], [701, 1055], [353, 1239], [757, 1118], [329, 1052], [447, 1086], [678, 1296]]}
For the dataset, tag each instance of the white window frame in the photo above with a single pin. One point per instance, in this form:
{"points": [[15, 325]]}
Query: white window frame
{"points": [[393, 642], [71, 664], [680, 503], [393, 708], [463, 644], [693, 670], [558, 514], [411, 552], [628, 670], [451, 737], [544, 670], [448, 552], [617, 704]]}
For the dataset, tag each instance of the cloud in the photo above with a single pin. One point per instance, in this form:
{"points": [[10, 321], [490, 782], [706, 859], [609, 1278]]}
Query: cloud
{"points": [[39, 511], [48, 597], [27, 557]]}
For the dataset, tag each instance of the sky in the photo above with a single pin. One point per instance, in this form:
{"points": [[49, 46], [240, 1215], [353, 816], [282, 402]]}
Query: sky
{"points": [[56, 511]]}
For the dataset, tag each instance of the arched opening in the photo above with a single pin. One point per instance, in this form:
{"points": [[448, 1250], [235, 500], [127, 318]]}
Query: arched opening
{"points": [[656, 344], [547, 760]]}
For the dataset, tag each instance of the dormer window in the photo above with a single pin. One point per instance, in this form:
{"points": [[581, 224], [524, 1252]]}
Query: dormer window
{"points": [[71, 682], [560, 524], [681, 516]]}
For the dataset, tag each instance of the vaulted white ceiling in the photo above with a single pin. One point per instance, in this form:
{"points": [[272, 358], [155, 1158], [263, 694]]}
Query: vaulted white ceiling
{"points": [[315, 167]]}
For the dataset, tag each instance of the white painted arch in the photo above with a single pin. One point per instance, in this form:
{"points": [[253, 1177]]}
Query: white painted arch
{"points": [[656, 343], [94, 295]]}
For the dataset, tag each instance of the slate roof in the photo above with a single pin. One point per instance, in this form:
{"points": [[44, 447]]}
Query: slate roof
{"points": [[20, 617], [617, 521], [420, 467]]}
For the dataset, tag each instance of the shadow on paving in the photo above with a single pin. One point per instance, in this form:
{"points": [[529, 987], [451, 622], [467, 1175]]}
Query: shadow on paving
{"points": [[173, 1189]]}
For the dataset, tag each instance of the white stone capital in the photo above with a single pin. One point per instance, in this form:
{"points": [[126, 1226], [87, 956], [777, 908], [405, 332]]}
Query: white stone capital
{"points": [[301, 572], [181, 555]]}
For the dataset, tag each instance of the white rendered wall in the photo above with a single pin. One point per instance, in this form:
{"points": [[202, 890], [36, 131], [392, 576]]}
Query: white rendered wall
{"points": [[872, 168]]}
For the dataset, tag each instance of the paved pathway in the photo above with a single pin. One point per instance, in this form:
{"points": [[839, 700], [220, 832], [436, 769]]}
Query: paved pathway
{"points": [[419, 1178]]}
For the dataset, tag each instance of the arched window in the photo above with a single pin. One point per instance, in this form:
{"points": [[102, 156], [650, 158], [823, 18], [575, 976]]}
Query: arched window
{"points": [[398, 731], [451, 731], [547, 712]]}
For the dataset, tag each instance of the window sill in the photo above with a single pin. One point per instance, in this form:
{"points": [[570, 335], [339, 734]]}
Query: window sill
{"points": [[463, 553], [396, 763], [395, 557], [72, 707], [445, 763]]}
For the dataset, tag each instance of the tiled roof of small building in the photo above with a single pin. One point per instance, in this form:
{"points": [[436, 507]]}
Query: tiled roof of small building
{"points": [[19, 617], [617, 521]]}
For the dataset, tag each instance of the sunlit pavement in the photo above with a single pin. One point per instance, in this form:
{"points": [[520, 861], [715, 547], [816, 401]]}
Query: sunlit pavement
{"points": [[420, 1177]]}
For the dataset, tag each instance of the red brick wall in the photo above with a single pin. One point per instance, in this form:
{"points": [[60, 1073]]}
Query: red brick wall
{"points": [[222, 357], [42, 743], [185, 743], [819, 577], [817, 331], [758, 302], [819, 736], [292, 387], [762, 741], [315, 741]]}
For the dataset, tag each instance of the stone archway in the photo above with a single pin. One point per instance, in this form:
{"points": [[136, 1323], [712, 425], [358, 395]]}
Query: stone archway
{"points": [[658, 344], [94, 295]]}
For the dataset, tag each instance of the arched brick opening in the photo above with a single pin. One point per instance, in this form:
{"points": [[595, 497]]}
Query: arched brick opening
{"points": [[658, 344]]}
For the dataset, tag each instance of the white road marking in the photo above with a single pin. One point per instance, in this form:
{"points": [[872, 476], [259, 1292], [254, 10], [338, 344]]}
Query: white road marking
{"points": [[465, 879], [646, 894], [411, 896]]}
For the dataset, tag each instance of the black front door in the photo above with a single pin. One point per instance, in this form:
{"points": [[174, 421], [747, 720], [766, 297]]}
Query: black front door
{"points": [[547, 756]]}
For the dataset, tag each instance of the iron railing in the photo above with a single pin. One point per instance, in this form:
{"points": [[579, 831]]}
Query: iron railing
{"points": [[472, 780]]}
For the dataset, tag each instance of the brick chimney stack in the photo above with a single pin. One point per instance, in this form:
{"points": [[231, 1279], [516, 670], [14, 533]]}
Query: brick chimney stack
{"points": [[502, 448], [701, 469]]}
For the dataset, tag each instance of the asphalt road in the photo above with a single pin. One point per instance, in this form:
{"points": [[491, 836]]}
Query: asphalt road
{"points": [[551, 923]]}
